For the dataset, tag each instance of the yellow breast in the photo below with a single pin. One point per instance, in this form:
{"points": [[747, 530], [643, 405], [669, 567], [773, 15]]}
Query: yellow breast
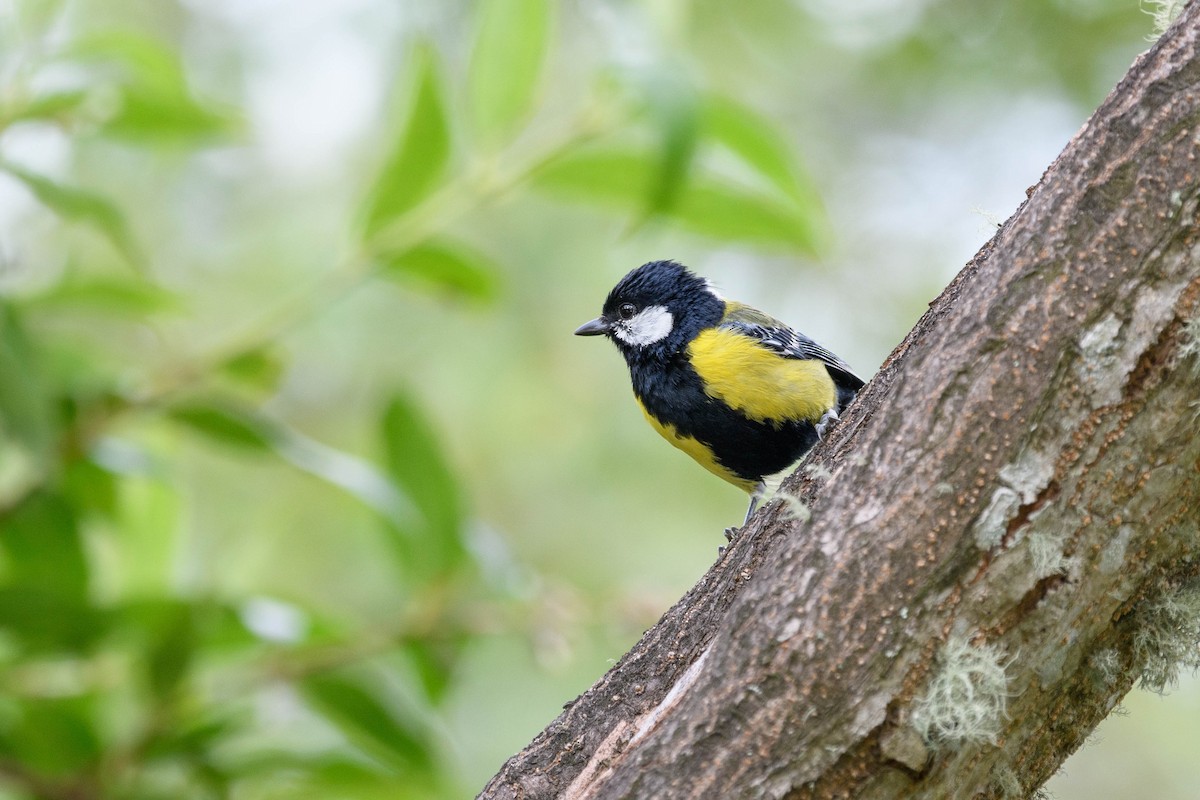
{"points": [[757, 382]]}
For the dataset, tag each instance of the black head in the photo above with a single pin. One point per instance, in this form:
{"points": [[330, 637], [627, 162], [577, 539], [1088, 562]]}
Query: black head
{"points": [[656, 310]]}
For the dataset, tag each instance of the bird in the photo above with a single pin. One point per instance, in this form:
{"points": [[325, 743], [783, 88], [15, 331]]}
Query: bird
{"points": [[740, 392]]}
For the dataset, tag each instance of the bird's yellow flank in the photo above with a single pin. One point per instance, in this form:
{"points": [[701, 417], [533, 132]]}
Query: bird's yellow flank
{"points": [[740, 372]]}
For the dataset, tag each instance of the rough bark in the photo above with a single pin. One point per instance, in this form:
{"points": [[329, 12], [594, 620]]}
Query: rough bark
{"points": [[1001, 535]]}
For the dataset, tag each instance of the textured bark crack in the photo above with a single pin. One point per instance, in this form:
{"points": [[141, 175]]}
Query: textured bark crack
{"points": [[1026, 511]]}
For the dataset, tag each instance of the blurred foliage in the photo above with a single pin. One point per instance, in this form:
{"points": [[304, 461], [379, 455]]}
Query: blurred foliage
{"points": [[304, 489]]}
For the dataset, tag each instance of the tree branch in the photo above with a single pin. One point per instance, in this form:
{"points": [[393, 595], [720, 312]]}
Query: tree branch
{"points": [[1003, 532]]}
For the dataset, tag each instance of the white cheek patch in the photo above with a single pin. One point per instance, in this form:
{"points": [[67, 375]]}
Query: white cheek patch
{"points": [[651, 324]]}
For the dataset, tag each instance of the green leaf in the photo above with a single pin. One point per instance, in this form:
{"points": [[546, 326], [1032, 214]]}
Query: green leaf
{"points": [[42, 547], [514, 36], [168, 637], [149, 511], [370, 720], [192, 737], [755, 140], [415, 462], [154, 101], [117, 296], [54, 736], [25, 411], [173, 644], [45, 577], [232, 424], [80, 205], [91, 488], [709, 205], [346, 471], [55, 106], [145, 115], [421, 153], [259, 368], [225, 424], [154, 617], [724, 211], [671, 102], [145, 60], [83, 370], [447, 266], [609, 177], [434, 660], [45, 621]]}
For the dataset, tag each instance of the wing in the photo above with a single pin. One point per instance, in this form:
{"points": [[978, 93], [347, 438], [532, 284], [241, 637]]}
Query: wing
{"points": [[774, 335]]}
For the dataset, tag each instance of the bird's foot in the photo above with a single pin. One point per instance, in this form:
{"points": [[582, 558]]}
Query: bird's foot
{"points": [[755, 497], [826, 422], [730, 534]]}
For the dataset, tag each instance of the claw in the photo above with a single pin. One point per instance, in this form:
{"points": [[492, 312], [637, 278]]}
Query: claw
{"points": [[826, 422]]}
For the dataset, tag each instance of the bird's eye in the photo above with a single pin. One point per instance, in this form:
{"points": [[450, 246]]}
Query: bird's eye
{"points": [[627, 310]]}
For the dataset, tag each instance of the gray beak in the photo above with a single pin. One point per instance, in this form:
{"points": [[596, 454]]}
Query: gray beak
{"points": [[596, 327]]}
